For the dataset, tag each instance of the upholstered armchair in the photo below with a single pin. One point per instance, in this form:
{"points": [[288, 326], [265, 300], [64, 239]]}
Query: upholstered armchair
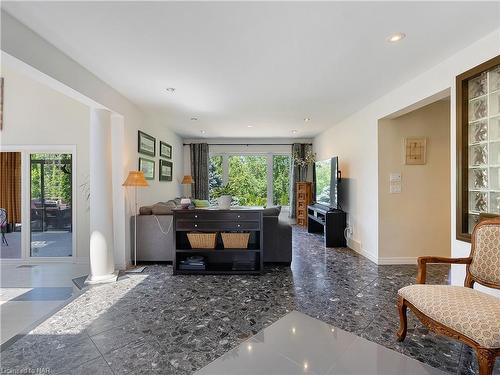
{"points": [[463, 313]]}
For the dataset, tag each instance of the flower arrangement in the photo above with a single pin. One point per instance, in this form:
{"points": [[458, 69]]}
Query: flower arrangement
{"points": [[302, 162]]}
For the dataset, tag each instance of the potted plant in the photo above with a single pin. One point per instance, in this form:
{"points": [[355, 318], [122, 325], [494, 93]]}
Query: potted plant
{"points": [[224, 195]]}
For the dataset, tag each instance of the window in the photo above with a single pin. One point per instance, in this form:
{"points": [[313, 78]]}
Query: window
{"points": [[281, 180], [214, 174], [255, 180], [248, 177], [478, 144]]}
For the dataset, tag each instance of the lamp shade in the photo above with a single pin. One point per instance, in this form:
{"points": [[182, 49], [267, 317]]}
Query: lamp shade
{"points": [[187, 180], [135, 178]]}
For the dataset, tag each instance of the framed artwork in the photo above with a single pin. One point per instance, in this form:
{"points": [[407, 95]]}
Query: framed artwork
{"points": [[415, 151], [148, 167], [146, 144], [166, 170], [165, 150]]}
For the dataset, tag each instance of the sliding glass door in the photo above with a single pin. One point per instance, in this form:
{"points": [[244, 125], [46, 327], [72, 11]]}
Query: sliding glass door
{"points": [[51, 205]]}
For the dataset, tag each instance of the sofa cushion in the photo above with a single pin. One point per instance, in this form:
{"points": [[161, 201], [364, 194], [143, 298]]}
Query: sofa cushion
{"points": [[163, 208], [468, 311], [146, 210], [272, 211]]}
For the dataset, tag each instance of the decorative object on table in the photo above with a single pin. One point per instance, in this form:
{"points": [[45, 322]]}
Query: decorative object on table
{"points": [[165, 150], [223, 194], [146, 144], [202, 240], [185, 203], [235, 240], [135, 179], [201, 203], [1, 103], [165, 170], [415, 151], [147, 166]]}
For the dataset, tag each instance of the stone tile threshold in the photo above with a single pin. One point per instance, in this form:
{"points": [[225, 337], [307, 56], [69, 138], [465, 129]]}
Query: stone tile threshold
{"points": [[299, 344]]}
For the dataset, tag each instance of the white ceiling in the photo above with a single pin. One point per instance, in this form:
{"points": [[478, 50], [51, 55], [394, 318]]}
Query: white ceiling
{"points": [[265, 64]]}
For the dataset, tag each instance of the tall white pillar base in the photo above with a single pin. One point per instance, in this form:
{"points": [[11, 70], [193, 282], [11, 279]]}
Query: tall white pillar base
{"points": [[102, 279]]}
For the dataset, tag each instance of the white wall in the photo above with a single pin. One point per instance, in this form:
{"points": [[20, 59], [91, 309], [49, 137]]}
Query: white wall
{"points": [[46, 64], [416, 221], [37, 115], [354, 140]]}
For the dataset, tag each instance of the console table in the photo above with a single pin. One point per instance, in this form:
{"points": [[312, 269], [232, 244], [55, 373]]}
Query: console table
{"points": [[219, 260]]}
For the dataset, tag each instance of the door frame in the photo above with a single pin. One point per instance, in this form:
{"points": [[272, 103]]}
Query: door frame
{"points": [[25, 151]]}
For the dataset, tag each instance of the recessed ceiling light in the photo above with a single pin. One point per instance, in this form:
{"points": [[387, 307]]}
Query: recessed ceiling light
{"points": [[307, 119], [396, 37], [170, 89], [249, 126], [194, 118], [294, 131], [202, 131]]}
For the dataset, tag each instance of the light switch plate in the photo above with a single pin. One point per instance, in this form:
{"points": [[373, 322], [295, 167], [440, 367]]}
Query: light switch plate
{"points": [[395, 183]]}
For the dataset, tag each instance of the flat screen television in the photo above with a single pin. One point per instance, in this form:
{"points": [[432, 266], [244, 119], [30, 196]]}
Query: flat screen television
{"points": [[326, 182]]}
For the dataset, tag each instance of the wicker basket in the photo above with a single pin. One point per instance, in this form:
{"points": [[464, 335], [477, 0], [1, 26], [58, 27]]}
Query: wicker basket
{"points": [[202, 240], [235, 240]]}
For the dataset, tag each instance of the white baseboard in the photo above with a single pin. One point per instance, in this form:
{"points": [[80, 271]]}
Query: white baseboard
{"points": [[397, 260], [356, 246]]}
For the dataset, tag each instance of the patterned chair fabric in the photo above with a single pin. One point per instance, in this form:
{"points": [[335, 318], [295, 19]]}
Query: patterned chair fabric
{"points": [[467, 311], [485, 264]]}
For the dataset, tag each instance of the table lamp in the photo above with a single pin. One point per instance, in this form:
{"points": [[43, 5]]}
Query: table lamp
{"points": [[187, 180], [135, 179]]}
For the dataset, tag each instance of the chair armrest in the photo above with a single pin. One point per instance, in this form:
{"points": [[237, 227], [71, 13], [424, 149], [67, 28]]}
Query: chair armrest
{"points": [[422, 265]]}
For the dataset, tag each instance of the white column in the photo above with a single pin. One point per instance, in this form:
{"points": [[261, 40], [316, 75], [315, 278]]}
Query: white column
{"points": [[102, 268]]}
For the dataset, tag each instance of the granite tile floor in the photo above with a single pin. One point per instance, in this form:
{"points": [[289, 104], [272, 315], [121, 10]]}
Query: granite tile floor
{"points": [[154, 322]]}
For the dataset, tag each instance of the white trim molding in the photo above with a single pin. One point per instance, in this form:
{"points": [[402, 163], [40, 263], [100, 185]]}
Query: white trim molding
{"points": [[356, 246], [397, 260]]}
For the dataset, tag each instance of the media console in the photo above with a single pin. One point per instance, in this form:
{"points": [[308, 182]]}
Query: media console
{"points": [[330, 222]]}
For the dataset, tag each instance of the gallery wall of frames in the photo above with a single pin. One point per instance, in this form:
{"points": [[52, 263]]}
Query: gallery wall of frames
{"points": [[478, 145], [146, 145]]}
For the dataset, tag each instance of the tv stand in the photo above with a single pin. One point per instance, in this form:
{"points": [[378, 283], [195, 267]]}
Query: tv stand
{"points": [[328, 221]]}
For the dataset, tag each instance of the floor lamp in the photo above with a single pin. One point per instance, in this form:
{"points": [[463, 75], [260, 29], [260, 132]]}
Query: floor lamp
{"points": [[135, 179]]}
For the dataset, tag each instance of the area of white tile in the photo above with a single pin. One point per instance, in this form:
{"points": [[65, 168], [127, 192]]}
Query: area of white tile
{"points": [[28, 295], [299, 344]]}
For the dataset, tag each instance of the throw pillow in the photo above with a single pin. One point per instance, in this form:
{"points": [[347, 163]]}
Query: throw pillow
{"points": [[272, 211], [145, 210]]}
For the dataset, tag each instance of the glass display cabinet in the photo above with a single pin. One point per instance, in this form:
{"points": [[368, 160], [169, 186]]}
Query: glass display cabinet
{"points": [[478, 145]]}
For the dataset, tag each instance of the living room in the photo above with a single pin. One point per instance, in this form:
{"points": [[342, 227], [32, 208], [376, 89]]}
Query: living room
{"points": [[249, 188]]}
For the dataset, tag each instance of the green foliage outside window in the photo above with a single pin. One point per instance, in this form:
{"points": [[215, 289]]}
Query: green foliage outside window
{"points": [[56, 169], [248, 179]]}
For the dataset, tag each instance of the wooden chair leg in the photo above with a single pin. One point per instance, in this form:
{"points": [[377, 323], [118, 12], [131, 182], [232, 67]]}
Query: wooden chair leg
{"points": [[486, 359], [403, 323]]}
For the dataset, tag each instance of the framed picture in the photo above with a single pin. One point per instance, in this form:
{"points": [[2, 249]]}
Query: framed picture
{"points": [[166, 170], [165, 150], [146, 144], [148, 167], [415, 151]]}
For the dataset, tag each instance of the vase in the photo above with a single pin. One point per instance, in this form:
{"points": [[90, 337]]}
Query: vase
{"points": [[224, 202]]}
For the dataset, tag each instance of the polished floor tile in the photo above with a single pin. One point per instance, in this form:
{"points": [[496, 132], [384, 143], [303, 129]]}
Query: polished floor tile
{"points": [[299, 344], [31, 293]]}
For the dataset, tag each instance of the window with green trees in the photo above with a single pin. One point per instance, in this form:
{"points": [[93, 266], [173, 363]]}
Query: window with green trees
{"points": [[251, 178]]}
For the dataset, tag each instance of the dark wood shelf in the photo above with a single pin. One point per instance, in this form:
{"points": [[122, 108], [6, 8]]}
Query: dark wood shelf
{"points": [[220, 260]]}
